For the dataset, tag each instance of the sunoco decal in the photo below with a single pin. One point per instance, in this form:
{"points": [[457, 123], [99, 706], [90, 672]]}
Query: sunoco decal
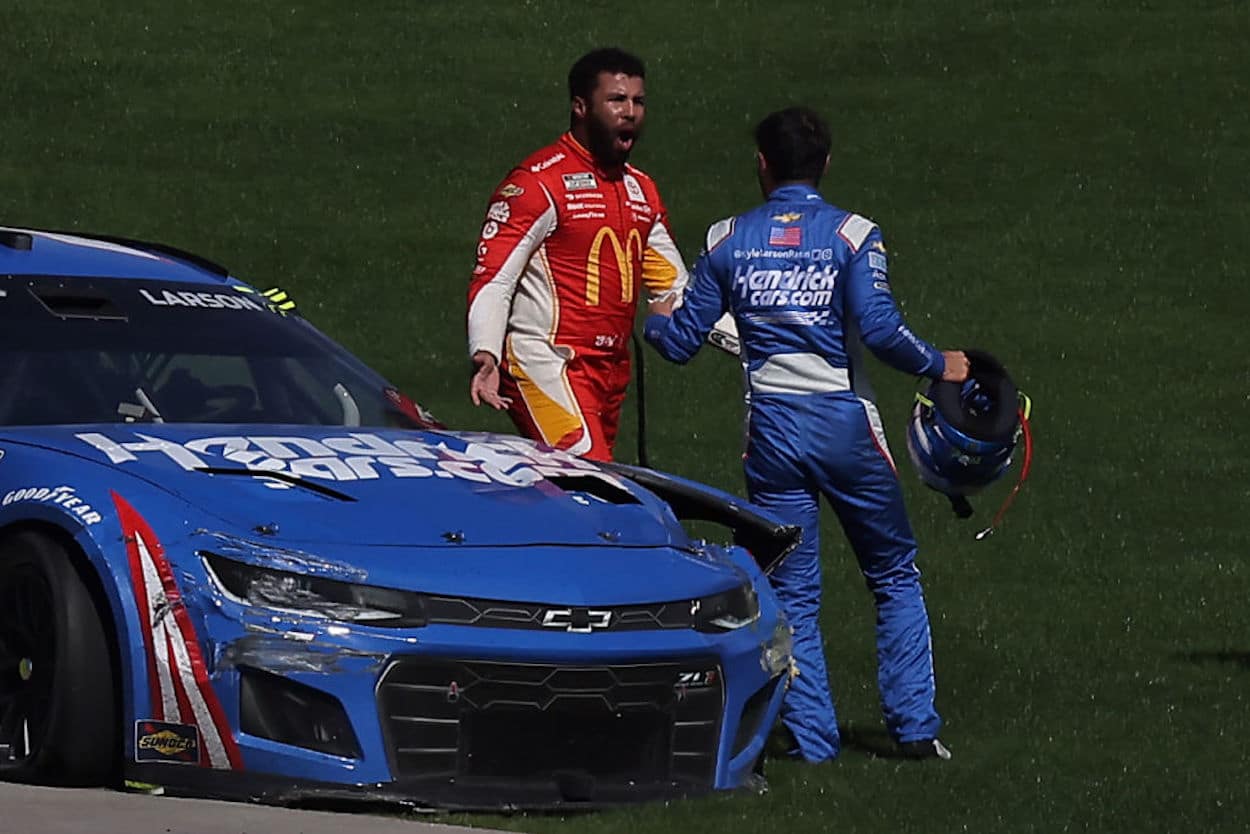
{"points": [[62, 496], [356, 456], [162, 741]]}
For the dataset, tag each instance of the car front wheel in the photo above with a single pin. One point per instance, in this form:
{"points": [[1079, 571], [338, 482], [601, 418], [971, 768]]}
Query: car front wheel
{"points": [[58, 721]]}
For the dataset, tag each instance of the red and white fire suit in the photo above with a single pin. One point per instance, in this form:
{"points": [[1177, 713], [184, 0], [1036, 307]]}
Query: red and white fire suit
{"points": [[564, 252]]}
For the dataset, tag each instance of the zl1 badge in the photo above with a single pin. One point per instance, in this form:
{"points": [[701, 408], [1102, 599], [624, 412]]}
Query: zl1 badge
{"points": [[161, 741]]}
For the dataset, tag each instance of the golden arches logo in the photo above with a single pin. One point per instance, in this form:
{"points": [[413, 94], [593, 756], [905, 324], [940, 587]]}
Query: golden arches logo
{"points": [[624, 262]]}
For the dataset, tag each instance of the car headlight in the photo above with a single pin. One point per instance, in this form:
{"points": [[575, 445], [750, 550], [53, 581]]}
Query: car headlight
{"points": [[315, 595], [727, 611]]}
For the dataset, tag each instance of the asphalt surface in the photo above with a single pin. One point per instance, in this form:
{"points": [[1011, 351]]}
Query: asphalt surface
{"points": [[26, 809]]}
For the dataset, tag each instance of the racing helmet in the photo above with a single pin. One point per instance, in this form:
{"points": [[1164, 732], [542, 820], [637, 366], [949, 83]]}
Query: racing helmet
{"points": [[962, 434]]}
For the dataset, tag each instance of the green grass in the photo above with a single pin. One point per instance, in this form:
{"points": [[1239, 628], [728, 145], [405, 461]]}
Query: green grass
{"points": [[1062, 183]]}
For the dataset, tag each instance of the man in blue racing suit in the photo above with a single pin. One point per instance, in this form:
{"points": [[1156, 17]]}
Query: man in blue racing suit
{"points": [[806, 282]]}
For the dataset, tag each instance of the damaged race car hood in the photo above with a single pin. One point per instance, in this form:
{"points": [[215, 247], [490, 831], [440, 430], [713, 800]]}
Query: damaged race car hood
{"points": [[378, 486]]}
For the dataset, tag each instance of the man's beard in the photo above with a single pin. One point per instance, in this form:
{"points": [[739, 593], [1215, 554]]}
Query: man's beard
{"points": [[603, 143]]}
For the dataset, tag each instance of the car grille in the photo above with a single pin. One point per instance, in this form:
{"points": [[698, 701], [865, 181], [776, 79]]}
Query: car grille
{"points": [[627, 724]]}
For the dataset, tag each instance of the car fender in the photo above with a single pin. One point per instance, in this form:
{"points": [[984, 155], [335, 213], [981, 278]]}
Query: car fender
{"points": [[768, 539], [49, 489]]}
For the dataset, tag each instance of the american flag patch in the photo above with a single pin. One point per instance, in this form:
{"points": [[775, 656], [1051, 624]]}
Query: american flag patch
{"points": [[785, 236]]}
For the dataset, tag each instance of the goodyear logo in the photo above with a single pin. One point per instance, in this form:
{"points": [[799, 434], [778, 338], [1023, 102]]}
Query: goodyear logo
{"points": [[624, 255], [161, 741]]}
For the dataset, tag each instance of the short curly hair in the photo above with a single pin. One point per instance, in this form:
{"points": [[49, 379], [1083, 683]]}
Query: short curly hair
{"points": [[584, 75]]}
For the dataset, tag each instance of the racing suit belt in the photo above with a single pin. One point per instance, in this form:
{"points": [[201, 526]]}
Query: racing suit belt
{"points": [[798, 373]]}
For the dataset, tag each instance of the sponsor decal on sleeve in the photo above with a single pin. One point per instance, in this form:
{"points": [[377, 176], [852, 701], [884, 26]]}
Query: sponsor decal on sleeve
{"points": [[718, 233], [511, 190], [877, 262], [855, 230], [489, 229], [499, 212]]}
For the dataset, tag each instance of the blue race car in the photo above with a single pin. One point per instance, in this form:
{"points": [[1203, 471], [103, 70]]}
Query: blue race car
{"points": [[234, 561]]}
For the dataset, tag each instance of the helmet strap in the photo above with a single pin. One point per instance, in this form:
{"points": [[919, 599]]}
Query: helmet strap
{"points": [[1023, 412]]}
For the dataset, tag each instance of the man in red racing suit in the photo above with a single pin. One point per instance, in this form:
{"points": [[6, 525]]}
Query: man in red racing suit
{"points": [[572, 236]]}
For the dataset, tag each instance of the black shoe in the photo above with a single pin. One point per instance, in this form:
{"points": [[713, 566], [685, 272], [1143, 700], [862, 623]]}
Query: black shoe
{"points": [[929, 748]]}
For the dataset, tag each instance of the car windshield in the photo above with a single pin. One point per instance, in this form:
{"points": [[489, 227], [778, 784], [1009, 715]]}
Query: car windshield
{"points": [[83, 350]]}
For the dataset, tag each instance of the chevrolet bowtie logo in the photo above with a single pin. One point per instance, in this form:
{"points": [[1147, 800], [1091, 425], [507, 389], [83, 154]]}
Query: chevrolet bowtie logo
{"points": [[577, 620]]}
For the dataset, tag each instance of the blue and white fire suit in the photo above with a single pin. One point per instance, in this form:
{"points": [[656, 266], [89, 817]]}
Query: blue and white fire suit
{"points": [[806, 283]]}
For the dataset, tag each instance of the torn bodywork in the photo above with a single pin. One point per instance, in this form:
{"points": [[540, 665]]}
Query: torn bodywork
{"points": [[768, 539]]}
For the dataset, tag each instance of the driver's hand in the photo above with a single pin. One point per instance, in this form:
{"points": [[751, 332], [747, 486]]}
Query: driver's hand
{"points": [[957, 367], [484, 387], [662, 305]]}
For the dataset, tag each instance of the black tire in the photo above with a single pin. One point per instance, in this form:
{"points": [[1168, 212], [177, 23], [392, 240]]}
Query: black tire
{"points": [[58, 716]]}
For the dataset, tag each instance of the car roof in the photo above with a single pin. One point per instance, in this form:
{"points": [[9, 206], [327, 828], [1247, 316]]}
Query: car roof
{"points": [[44, 252]]}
